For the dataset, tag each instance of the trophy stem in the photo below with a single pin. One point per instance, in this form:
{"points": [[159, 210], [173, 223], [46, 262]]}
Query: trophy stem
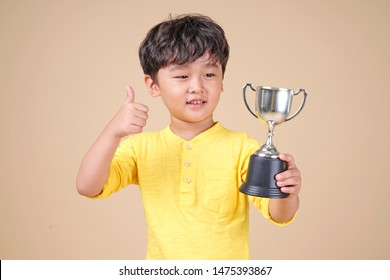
{"points": [[270, 134], [268, 149]]}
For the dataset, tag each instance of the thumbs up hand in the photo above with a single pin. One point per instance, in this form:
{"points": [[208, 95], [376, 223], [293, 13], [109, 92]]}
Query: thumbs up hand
{"points": [[131, 117]]}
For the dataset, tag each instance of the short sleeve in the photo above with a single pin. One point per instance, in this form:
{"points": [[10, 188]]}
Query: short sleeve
{"points": [[123, 169]]}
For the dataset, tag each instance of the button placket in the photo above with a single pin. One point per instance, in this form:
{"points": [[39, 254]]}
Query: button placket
{"points": [[187, 170]]}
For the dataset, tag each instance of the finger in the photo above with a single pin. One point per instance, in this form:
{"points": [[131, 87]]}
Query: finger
{"points": [[290, 190], [291, 181], [140, 120], [136, 128], [137, 110], [138, 123], [294, 172], [141, 107], [141, 115], [289, 159], [130, 95]]}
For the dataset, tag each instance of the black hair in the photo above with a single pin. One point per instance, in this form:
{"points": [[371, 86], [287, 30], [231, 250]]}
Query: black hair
{"points": [[182, 40]]}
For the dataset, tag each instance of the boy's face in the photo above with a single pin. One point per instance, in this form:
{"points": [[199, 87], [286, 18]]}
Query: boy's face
{"points": [[190, 92]]}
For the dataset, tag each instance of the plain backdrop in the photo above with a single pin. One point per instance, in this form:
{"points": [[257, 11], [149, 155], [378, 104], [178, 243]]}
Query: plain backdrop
{"points": [[64, 68]]}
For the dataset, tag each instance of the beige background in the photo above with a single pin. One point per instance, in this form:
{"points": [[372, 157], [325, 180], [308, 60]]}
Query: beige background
{"points": [[64, 66]]}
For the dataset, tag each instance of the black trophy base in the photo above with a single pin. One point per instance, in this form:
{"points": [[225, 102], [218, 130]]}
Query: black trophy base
{"points": [[260, 179]]}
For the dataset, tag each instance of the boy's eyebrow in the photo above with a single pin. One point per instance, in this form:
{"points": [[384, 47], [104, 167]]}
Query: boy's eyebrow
{"points": [[212, 65], [177, 67]]}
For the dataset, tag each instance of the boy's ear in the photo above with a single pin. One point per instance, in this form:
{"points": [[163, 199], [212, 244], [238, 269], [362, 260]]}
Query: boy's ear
{"points": [[152, 86]]}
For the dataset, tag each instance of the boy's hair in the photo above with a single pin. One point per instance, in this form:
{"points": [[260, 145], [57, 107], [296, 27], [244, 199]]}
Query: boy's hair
{"points": [[182, 40]]}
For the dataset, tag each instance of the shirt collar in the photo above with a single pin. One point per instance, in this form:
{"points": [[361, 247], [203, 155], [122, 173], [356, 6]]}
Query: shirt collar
{"points": [[215, 129]]}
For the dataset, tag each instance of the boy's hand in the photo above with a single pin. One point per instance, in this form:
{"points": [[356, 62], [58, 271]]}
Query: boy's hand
{"points": [[289, 181], [131, 117]]}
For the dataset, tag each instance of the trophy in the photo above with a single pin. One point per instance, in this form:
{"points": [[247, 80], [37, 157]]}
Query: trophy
{"points": [[272, 106]]}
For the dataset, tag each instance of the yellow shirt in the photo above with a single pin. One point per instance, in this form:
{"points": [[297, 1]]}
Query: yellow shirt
{"points": [[190, 191]]}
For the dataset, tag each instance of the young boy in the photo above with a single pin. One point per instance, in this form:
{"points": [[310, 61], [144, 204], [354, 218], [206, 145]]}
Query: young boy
{"points": [[189, 173]]}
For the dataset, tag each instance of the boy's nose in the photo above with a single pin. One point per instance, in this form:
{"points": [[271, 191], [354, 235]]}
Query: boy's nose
{"points": [[196, 86]]}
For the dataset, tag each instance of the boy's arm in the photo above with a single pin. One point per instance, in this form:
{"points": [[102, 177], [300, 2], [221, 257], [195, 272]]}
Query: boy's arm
{"points": [[282, 210], [95, 166]]}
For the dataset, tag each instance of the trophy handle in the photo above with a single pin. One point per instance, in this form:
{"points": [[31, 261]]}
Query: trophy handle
{"points": [[303, 103], [244, 95]]}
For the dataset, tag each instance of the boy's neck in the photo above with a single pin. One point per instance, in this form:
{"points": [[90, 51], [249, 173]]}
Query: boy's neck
{"points": [[189, 131]]}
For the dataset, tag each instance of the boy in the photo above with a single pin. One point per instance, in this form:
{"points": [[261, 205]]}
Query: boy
{"points": [[190, 172]]}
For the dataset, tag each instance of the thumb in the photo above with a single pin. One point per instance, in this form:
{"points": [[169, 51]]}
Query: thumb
{"points": [[130, 95]]}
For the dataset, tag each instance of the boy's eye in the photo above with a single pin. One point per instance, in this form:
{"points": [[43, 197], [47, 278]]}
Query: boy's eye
{"points": [[209, 75], [181, 77]]}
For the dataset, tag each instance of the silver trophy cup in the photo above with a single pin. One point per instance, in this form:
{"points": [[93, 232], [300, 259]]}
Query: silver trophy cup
{"points": [[272, 107]]}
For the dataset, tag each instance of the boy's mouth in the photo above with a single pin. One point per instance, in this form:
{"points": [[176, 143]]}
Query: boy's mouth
{"points": [[196, 102]]}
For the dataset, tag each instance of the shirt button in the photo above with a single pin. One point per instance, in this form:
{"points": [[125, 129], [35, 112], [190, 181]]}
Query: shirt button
{"points": [[189, 146], [187, 180], [187, 163]]}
